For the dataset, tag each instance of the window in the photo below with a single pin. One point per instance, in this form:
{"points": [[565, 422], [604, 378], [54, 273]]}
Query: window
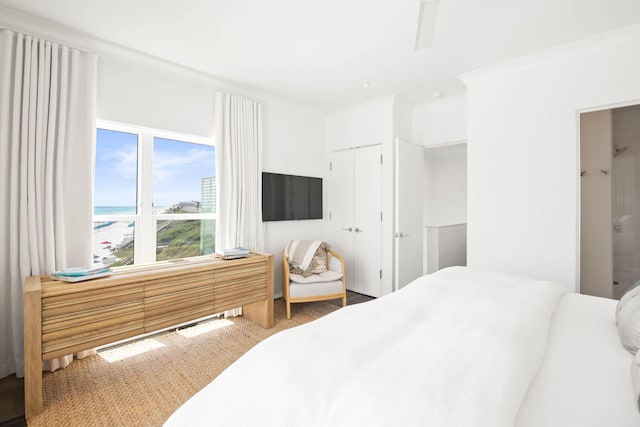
{"points": [[154, 195]]}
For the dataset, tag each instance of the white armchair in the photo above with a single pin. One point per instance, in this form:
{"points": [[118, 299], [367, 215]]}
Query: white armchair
{"points": [[317, 287]]}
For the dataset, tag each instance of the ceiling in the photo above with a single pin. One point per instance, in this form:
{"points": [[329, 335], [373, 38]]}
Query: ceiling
{"points": [[320, 52]]}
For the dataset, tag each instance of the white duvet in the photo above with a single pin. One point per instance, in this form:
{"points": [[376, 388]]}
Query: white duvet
{"points": [[455, 348]]}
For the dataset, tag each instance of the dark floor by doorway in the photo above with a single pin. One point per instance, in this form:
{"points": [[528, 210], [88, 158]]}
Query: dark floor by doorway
{"points": [[353, 298], [12, 402]]}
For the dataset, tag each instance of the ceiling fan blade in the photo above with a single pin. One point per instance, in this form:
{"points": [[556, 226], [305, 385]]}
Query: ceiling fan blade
{"points": [[426, 23]]}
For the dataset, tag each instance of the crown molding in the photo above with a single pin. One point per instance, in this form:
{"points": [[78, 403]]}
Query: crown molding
{"points": [[579, 47], [61, 34]]}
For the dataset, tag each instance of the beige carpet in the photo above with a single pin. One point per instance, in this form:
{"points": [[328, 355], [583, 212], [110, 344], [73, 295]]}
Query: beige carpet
{"points": [[145, 389]]}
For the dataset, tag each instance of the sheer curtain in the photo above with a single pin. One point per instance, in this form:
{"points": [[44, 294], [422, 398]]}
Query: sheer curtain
{"points": [[238, 124], [47, 129]]}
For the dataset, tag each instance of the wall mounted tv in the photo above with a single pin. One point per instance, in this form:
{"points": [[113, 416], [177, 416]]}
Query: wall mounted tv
{"points": [[290, 197]]}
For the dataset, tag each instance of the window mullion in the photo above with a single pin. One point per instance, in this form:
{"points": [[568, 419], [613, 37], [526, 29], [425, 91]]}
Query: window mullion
{"points": [[145, 186]]}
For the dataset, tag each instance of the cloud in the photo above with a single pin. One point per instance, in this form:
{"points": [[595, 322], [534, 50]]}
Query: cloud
{"points": [[122, 161], [167, 164]]}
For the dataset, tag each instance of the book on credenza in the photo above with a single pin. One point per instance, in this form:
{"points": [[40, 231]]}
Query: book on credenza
{"points": [[233, 253], [78, 274]]}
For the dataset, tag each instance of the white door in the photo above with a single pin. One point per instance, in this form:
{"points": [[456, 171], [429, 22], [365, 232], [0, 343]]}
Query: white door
{"points": [[596, 222], [342, 209], [409, 203], [367, 231]]}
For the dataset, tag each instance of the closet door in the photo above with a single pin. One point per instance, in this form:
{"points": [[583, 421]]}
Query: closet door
{"points": [[356, 222], [367, 231], [342, 196]]}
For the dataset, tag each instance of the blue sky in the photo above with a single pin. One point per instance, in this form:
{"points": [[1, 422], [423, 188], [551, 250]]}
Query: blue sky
{"points": [[178, 168]]}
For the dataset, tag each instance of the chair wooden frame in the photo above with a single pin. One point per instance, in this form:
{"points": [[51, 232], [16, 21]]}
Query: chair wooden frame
{"points": [[291, 300]]}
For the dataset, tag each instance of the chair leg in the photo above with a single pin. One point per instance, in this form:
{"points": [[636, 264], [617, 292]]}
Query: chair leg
{"points": [[344, 300], [288, 310]]}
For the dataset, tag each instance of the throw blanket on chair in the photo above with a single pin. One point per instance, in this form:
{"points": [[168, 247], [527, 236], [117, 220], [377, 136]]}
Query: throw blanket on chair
{"points": [[300, 254]]}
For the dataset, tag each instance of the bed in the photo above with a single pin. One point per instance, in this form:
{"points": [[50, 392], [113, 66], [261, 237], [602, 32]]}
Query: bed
{"points": [[457, 348]]}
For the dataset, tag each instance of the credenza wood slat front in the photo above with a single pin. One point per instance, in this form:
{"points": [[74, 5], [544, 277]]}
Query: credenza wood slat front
{"points": [[62, 318]]}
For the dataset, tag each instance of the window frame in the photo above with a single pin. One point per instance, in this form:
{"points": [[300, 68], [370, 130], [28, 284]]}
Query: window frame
{"points": [[145, 220]]}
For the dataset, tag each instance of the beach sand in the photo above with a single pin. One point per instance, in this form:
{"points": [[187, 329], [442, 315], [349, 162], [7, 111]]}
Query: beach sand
{"points": [[114, 233]]}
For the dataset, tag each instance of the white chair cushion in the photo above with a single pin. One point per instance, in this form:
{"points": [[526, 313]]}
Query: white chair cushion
{"points": [[327, 276], [304, 290]]}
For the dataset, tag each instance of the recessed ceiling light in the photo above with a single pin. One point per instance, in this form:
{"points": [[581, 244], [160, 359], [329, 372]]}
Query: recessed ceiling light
{"points": [[437, 94], [365, 84]]}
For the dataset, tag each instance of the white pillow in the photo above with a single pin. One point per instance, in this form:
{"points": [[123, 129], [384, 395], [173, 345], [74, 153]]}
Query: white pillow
{"points": [[628, 296], [635, 377], [628, 322]]}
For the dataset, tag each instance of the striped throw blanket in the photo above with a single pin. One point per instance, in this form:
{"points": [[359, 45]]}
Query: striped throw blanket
{"points": [[301, 254]]}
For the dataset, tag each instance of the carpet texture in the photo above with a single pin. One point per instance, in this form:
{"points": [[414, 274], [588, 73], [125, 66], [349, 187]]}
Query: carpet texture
{"points": [[111, 389]]}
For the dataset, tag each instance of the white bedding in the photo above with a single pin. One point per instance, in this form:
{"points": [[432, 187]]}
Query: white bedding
{"points": [[585, 377], [456, 348]]}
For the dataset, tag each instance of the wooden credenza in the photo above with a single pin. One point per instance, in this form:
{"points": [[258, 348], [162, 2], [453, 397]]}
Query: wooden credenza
{"points": [[62, 318]]}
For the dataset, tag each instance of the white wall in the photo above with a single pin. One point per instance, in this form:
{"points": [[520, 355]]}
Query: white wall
{"points": [[446, 187], [445, 203], [294, 143], [293, 135], [523, 151], [441, 126], [441, 121], [132, 95], [403, 120], [360, 125]]}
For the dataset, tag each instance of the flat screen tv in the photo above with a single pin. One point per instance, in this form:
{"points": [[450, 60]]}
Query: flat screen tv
{"points": [[290, 197]]}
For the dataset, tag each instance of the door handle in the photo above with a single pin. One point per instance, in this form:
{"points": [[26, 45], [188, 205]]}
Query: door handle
{"points": [[348, 229], [357, 230], [401, 235]]}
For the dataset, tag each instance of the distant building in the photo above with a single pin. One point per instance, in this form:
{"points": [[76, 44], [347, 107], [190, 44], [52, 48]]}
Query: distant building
{"points": [[188, 207], [208, 205], [209, 194]]}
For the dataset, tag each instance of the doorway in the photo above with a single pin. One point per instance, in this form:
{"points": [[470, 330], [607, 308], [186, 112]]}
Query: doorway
{"points": [[610, 201], [445, 207]]}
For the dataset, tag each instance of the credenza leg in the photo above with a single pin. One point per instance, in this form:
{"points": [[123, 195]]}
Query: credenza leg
{"points": [[32, 347], [261, 312]]}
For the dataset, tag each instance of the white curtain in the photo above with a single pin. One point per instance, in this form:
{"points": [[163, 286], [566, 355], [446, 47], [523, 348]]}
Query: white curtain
{"points": [[47, 132], [238, 126]]}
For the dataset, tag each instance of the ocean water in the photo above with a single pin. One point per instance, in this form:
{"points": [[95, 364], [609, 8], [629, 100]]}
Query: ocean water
{"points": [[114, 210], [122, 210]]}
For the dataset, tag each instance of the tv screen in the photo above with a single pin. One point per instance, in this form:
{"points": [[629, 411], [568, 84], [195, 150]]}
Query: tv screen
{"points": [[290, 197]]}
